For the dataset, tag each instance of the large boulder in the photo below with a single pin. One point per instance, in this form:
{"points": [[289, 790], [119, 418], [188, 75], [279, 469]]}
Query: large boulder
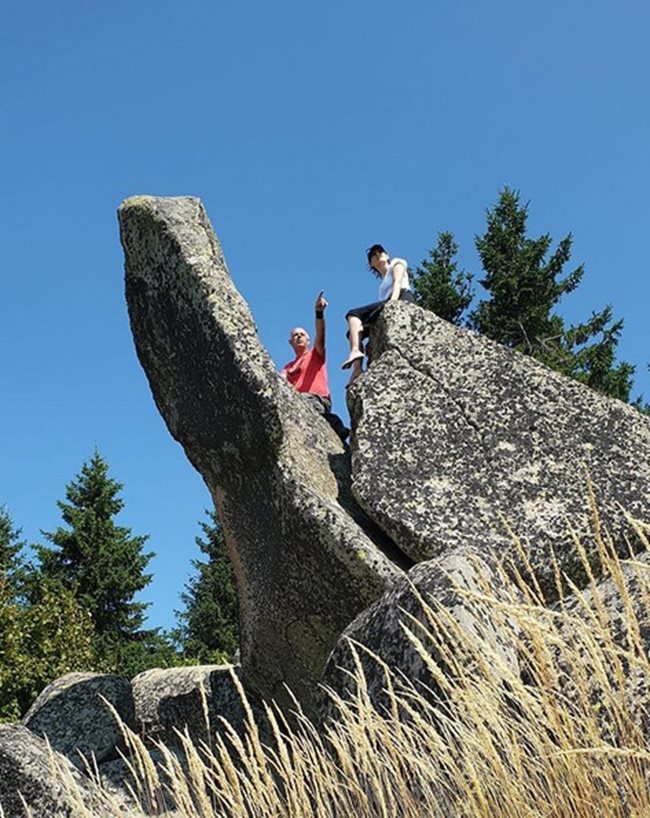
{"points": [[300, 546], [457, 438], [36, 781], [73, 714]]}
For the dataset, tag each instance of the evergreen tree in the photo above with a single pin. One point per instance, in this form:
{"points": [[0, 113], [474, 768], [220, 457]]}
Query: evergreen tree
{"points": [[639, 402], [523, 286], [209, 629], [145, 650], [101, 562], [595, 363], [525, 283], [13, 570], [438, 284]]}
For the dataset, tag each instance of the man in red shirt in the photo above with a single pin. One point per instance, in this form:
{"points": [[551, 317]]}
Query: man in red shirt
{"points": [[308, 371]]}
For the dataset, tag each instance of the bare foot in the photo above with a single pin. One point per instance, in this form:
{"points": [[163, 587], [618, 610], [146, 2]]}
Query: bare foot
{"points": [[353, 357]]}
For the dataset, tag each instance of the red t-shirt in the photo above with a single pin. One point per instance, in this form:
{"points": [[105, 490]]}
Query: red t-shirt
{"points": [[308, 373]]}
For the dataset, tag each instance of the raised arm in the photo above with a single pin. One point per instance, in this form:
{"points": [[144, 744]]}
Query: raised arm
{"points": [[319, 340]]}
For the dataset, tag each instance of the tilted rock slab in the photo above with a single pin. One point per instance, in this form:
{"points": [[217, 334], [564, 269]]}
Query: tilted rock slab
{"points": [[276, 471], [457, 437], [72, 714]]}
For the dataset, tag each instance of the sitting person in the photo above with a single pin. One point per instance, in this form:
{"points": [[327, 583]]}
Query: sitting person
{"points": [[394, 286], [308, 372]]}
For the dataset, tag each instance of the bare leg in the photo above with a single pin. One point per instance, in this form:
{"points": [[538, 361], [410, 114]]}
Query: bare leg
{"points": [[357, 369], [355, 328]]}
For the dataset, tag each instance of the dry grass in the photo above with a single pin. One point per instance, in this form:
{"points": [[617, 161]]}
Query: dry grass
{"points": [[561, 737]]}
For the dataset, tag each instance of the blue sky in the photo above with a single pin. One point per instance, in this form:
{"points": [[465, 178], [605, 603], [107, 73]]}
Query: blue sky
{"points": [[310, 131]]}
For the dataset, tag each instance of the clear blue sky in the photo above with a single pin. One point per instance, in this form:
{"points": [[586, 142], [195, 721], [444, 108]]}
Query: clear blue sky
{"points": [[310, 131]]}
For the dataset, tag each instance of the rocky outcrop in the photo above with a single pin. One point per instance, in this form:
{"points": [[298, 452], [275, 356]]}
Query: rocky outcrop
{"points": [[446, 596], [186, 699], [73, 714], [456, 438], [279, 476], [70, 730], [457, 443]]}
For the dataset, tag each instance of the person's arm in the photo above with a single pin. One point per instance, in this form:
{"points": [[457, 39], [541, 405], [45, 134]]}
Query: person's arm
{"points": [[319, 341], [399, 271]]}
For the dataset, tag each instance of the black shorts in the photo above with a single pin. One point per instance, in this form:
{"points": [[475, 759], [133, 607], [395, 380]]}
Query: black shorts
{"points": [[369, 313]]}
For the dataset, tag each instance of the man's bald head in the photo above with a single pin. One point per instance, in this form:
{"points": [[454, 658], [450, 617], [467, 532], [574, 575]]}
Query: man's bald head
{"points": [[299, 340]]}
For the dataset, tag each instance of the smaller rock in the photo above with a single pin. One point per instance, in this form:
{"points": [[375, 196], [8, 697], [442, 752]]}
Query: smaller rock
{"points": [[36, 781], [616, 617], [73, 715], [452, 585], [149, 793], [182, 697]]}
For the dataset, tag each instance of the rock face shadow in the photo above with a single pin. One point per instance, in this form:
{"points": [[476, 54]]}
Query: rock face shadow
{"points": [[341, 468]]}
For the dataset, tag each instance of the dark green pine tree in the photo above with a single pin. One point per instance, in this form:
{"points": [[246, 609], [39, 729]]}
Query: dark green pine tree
{"points": [[523, 285], [209, 625], [13, 569], [101, 562], [525, 282], [594, 362], [640, 403], [438, 284]]}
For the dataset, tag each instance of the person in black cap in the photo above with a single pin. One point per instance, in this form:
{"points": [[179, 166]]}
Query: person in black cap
{"points": [[394, 286]]}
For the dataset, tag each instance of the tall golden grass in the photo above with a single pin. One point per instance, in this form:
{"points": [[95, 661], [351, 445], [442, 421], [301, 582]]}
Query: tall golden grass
{"points": [[563, 735]]}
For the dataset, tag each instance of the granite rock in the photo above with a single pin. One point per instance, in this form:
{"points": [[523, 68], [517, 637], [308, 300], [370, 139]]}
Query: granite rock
{"points": [[152, 794], [610, 619], [36, 781], [450, 597], [456, 439], [77, 722], [304, 562], [191, 699]]}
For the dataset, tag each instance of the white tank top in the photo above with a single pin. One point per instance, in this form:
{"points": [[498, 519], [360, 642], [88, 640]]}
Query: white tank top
{"points": [[386, 286]]}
